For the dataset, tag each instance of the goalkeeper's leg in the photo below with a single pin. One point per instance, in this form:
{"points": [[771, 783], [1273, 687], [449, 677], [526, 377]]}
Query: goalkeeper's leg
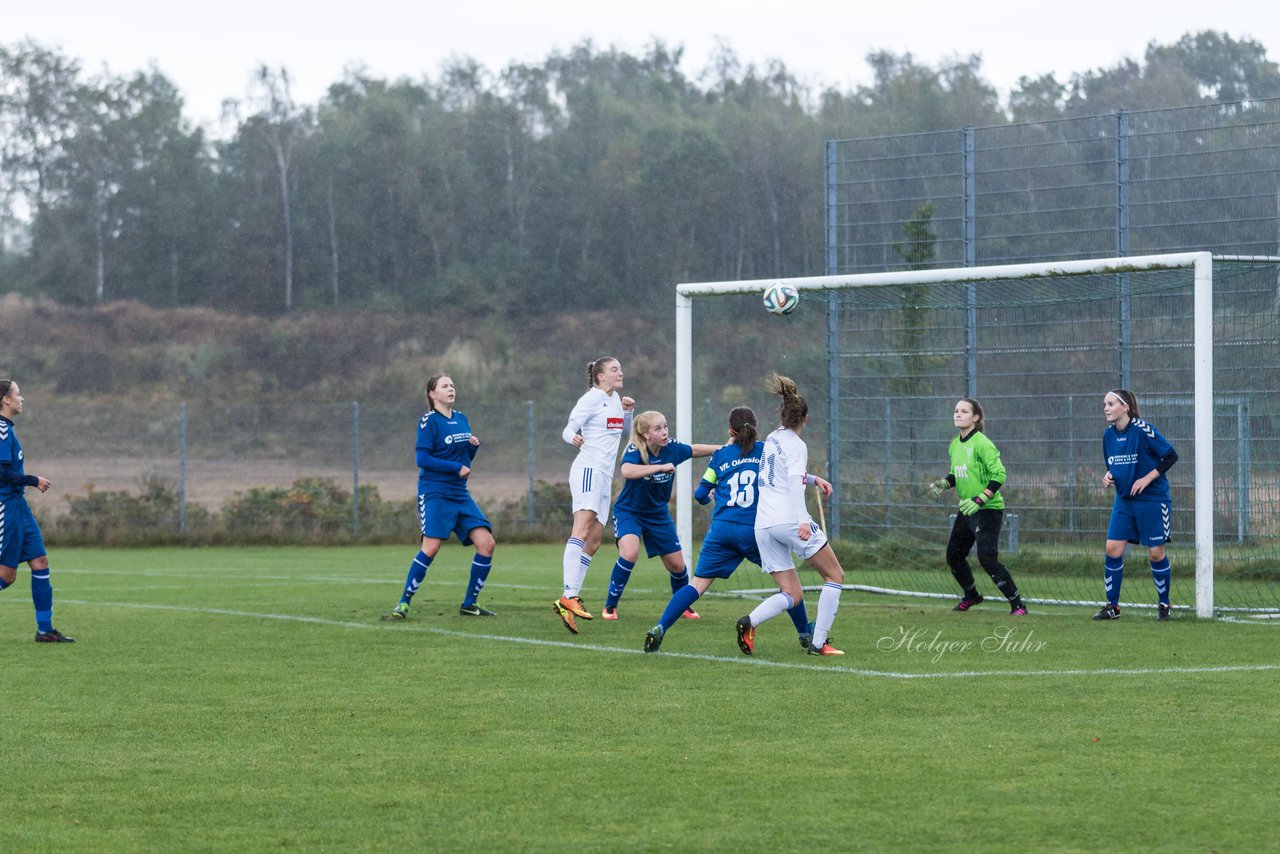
{"points": [[958, 547]]}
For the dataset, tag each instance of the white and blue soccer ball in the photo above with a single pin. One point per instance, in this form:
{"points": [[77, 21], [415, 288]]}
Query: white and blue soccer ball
{"points": [[781, 298]]}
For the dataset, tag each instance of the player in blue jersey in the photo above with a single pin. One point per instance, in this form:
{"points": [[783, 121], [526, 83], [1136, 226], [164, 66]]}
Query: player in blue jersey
{"points": [[643, 506], [731, 475], [20, 539], [445, 450], [1137, 457]]}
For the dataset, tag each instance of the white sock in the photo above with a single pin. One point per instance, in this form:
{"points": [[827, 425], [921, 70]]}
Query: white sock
{"points": [[828, 604], [583, 565], [572, 565], [770, 608]]}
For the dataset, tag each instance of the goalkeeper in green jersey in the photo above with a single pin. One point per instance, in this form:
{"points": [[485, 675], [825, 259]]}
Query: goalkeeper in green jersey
{"points": [[977, 475]]}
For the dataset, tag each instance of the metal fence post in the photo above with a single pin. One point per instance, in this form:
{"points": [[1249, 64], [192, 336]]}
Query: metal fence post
{"points": [[1012, 532], [1242, 463], [1122, 240], [182, 467], [1071, 463], [533, 466], [833, 344], [970, 260], [355, 468]]}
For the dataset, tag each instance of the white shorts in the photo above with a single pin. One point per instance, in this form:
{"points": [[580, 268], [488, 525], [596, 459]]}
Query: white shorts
{"points": [[778, 543], [592, 489]]}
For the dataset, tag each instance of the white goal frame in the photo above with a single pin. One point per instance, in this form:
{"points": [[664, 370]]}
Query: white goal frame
{"points": [[1200, 262]]}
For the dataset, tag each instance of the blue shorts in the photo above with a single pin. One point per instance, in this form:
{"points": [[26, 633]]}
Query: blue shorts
{"points": [[658, 532], [1142, 522], [440, 517], [20, 539], [727, 545]]}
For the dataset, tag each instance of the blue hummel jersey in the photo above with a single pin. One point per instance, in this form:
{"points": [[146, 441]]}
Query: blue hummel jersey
{"points": [[16, 481], [444, 447], [1132, 453], [651, 495], [734, 478]]}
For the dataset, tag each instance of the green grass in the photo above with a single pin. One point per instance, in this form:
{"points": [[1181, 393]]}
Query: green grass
{"points": [[250, 699]]}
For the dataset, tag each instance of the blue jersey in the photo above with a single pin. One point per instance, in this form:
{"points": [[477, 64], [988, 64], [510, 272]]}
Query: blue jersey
{"points": [[733, 477], [1135, 452], [651, 495], [13, 480], [444, 447]]}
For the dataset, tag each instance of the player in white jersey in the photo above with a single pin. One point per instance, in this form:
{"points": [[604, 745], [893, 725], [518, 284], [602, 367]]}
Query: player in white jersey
{"points": [[784, 526], [599, 420]]}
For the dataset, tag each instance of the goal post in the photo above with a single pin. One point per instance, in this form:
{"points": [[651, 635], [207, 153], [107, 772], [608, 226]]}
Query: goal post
{"points": [[1018, 306]]}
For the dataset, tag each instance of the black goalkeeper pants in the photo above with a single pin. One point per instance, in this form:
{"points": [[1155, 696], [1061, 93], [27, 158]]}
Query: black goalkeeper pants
{"points": [[982, 528]]}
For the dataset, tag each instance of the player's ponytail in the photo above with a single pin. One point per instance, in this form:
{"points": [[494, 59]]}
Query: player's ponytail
{"points": [[742, 423], [5, 385], [793, 410], [596, 368]]}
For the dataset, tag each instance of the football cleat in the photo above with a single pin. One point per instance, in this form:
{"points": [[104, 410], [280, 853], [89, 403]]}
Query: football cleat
{"points": [[609, 613], [1163, 612], [806, 637], [399, 612], [653, 639], [1018, 610], [825, 649], [1108, 612], [746, 635], [575, 606], [690, 614], [566, 615], [475, 611], [966, 603], [53, 636]]}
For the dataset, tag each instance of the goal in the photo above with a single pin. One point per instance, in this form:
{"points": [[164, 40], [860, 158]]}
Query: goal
{"points": [[882, 358]]}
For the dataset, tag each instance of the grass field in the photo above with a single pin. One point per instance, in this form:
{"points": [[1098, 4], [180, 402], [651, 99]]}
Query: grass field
{"points": [[250, 699]]}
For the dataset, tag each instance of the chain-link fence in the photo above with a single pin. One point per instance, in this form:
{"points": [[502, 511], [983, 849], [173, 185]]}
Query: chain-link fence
{"points": [[1130, 183], [280, 472]]}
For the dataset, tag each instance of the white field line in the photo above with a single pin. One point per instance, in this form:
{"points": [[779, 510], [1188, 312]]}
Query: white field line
{"points": [[735, 660]]}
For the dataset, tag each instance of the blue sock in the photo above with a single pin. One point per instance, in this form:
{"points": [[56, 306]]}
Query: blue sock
{"points": [[480, 566], [42, 598], [3, 584], [1111, 578], [800, 618], [417, 572], [680, 581], [1162, 573], [681, 601], [618, 582]]}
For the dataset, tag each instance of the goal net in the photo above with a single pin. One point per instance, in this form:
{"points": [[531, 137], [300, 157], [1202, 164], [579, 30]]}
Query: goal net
{"points": [[883, 357]]}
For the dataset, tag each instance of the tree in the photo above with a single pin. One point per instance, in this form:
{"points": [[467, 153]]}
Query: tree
{"points": [[279, 123]]}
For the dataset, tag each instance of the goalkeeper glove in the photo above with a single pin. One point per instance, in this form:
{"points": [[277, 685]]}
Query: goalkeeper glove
{"points": [[939, 486], [969, 506]]}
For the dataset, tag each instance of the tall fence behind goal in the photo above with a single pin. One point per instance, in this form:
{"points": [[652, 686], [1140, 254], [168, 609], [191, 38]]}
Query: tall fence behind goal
{"points": [[883, 357]]}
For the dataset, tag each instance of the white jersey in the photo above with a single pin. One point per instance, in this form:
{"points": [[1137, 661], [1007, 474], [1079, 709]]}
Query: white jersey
{"points": [[781, 480], [599, 417]]}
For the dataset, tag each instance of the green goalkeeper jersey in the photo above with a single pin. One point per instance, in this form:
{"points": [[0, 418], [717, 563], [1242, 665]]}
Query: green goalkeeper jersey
{"points": [[975, 462]]}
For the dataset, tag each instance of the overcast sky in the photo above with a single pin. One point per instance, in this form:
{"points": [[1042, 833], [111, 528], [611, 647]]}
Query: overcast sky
{"points": [[210, 49]]}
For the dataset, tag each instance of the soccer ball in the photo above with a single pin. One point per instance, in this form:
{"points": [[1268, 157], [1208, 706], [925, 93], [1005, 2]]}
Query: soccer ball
{"points": [[780, 298]]}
